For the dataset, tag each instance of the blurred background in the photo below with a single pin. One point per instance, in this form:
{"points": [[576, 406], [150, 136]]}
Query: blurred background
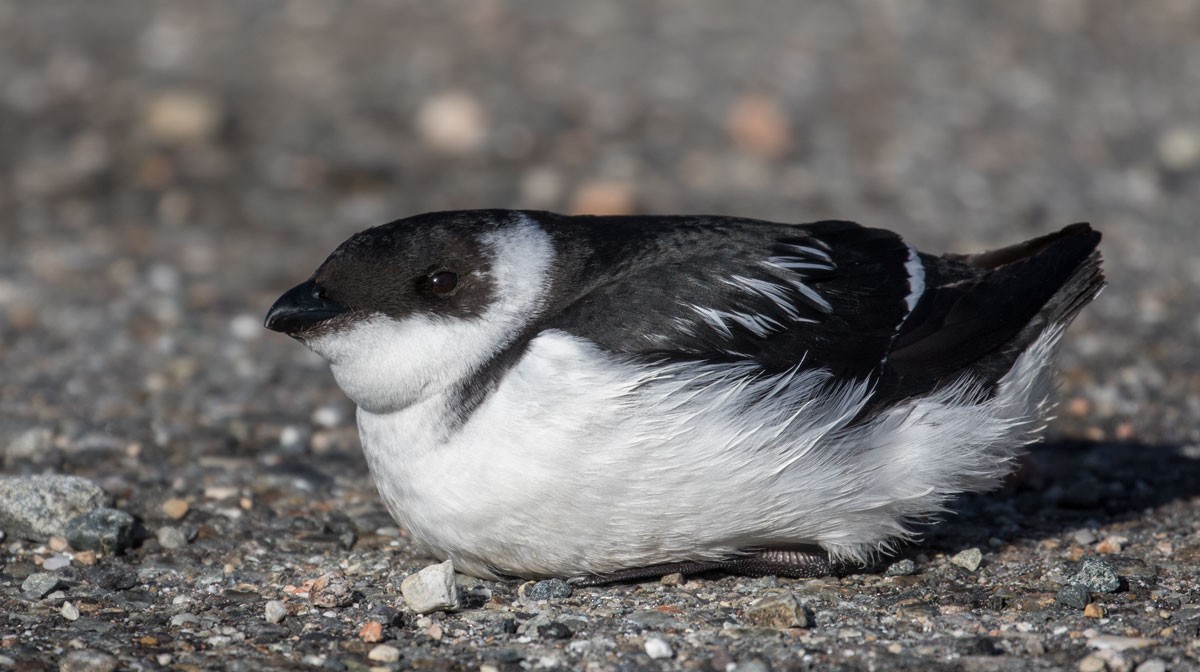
{"points": [[168, 168]]}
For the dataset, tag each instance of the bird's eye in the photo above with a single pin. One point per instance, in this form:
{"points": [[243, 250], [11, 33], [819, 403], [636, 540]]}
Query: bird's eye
{"points": [[443, 282], [318, 292]]}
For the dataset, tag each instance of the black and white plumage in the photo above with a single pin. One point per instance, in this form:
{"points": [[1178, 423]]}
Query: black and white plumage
{"points": [[545, 395]]}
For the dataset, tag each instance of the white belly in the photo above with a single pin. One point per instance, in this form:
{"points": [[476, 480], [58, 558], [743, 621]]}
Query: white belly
{"points": [[579, 463]]}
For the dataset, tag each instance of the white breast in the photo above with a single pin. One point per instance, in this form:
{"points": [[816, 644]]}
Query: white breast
{"points": [[582, 462]]}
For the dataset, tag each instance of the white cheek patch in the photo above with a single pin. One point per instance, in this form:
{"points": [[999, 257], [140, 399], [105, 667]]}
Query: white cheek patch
{"points": [[385, 364]]}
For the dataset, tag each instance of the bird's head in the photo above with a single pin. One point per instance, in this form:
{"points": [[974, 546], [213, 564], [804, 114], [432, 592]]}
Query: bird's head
{"points": [[404, 310]]}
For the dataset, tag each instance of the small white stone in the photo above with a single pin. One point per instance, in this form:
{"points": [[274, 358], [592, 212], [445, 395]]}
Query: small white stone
{"points": [[969, 559], [55, 563], [327, 416], [246, 327], [657, 647], [452, 122], [431, 589], [70, 611], [274, 611], [384, 654]]}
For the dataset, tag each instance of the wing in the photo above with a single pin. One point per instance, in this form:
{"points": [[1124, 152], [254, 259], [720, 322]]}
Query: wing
{"points": [[831, 294]]}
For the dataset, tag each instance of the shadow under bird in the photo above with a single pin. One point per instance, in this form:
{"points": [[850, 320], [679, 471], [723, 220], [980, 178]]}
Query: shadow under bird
{"points": [[611, 398]]}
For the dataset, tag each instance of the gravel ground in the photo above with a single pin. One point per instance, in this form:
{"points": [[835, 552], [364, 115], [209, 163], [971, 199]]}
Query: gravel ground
{"points": [[169, 168]]}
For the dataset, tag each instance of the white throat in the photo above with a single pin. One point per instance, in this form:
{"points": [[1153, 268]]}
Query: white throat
{"points": [[384, 364]]}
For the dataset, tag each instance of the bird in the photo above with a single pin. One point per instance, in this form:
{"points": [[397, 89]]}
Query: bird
{"points": [[610, 398]]}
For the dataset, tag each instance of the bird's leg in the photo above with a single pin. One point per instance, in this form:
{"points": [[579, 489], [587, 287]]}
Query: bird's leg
{"points": [[772, 562]]}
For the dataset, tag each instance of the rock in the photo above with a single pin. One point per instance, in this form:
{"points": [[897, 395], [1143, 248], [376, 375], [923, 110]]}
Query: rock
{"points": [[28, 446], [109, 531], [969, 559], [431, 589], [675, 579], [658, 648], [452, 122], [779, 611], [175, 508], [274, 611], [1152, 665], [603, 197], [1075, 597], [905, 567], [1097, 575], [331, 590], [555, 630], [39, 507], [371, 632], [384, 654], [39, 584], [1091, 663], [1084, 537], [184, 619], [69, 611], [88, 660], [1093, 610], [182, 116], [56, 562], [1179, 147], [759, 126], [170, 537], [1118, 643], [546, 590]]}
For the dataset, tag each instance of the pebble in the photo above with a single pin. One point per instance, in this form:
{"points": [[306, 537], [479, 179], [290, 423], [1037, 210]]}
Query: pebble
{"points": [[546, 590], [109, 531], [170, 537], [56, 562], [1179, 147], [384, 653], [759, 126], [371, 632], [905, 567], [431, 589], [1091, 663], [331, 590], [180, 620], [1119, 643], [778, 611], [1093, 610], [181, 116], [39, 584], [39, 507], [452, 122], [1073, 596], [28, 446], [675, 579], [274, 611], [175, 508], [969, 559], [69, 611], [602, 197], [658, 648], [1084, 537], [555, 630], [1152, 665], [1097, 575], [88, 660]]}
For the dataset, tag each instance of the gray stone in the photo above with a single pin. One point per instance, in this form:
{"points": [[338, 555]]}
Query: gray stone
{"points": [[431, 589], [903, 567], [180, 620], [274, 611], [39, 507], [1152, 665], [56, 562], [657, 648], [1075, 597], [109, 531], [777, 611], [1097, 575], [171, 537], [87, 660], [331, 590], [28, 446], [969, 559], [39, 584], [547, 590]]}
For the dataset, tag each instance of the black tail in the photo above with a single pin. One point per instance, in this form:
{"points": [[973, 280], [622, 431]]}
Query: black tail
{"points": [[980, 312]]}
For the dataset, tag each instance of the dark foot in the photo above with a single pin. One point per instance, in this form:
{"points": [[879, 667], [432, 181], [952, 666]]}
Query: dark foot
{"points": [[790, 564]]}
